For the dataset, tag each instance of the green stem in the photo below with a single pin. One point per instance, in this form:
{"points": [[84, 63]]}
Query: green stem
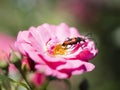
{"points": [[45, 85], [30, 88], [18, 65]]}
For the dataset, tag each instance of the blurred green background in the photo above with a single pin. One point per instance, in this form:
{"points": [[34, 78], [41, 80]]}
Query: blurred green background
{"points": [[100, 18]]}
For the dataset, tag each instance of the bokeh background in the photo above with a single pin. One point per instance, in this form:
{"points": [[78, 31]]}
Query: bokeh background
{"points": [[100, 19]]}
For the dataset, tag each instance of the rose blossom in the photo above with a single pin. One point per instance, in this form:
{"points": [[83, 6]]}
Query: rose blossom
{"points": [[43, 44], [6, 46]]}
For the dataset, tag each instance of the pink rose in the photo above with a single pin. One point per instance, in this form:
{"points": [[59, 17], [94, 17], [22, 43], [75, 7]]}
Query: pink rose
{"points": [[6, 47], [44, 45]]}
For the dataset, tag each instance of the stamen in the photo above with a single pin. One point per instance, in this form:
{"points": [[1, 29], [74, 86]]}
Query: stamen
{"points": [[59, 50]]}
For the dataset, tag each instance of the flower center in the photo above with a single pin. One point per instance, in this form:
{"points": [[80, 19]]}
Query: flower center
{"points": [[59, 50]]}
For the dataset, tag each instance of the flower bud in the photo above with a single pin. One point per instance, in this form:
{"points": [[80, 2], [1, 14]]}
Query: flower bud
{"points": [[15, 56]]}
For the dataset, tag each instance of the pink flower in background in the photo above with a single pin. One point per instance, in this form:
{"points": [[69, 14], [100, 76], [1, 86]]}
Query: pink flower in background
{"points": [[85, 11], [44, 45], [6, 46]]}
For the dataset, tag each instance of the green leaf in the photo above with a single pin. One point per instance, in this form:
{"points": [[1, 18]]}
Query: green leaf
{"points": [[3, 77]]}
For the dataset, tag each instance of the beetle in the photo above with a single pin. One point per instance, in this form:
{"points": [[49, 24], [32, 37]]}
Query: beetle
{"points": [[73, 41]]}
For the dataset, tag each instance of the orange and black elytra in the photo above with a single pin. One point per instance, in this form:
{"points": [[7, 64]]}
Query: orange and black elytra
{"points": [[72, 41]]}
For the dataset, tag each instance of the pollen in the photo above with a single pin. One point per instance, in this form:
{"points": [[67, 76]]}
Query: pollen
{"points": [[59, 50]]}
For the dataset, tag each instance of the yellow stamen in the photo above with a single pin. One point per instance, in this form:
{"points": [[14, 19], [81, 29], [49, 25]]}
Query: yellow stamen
{"points": [[59, 50]]}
